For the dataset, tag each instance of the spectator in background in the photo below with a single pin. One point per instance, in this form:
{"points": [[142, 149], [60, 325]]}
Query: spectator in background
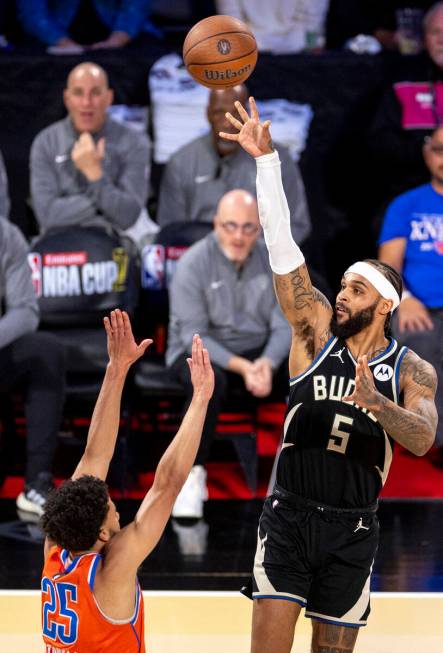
{"points": [[410, 110], [411, 241], [29, 361], [222, 290], [348, 18], [4, 193], [281, 27], [71, 23], [201, 172], [87, 169]]}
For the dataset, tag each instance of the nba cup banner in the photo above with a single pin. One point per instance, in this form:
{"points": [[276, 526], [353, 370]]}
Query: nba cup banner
{"points": [[63, 274], [82, 270]]}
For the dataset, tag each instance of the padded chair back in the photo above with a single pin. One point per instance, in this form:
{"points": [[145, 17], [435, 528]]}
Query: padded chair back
{"points": [[158, 264], [81, 274], [160, 258]]}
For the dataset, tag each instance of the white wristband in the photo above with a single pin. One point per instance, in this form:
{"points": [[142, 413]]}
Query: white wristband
{"points": [[284, 253], [406, 295]]}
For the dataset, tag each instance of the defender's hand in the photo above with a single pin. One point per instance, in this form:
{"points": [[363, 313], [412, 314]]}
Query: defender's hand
{"points": [[202, 374], [253, 136], [122, 348], [365, 393]]}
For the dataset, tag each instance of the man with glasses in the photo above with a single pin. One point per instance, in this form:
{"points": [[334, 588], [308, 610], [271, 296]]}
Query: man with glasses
{"points": [[222, 289], [411, 241]]}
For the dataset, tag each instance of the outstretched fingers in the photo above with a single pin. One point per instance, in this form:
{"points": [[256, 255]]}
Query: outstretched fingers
{"points": [[228, 137], [197, 351], [119, 321], [234, 122], [108, 328], [254, 110], [114, 323], [126, 324], [241, 111], [206, 359]]}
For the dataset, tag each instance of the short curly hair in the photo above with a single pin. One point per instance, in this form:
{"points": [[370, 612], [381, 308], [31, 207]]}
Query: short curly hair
{"points": [[74, 513]]}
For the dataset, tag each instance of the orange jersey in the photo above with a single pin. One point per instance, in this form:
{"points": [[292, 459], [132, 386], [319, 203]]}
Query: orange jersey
{"points": [[71, 619]]}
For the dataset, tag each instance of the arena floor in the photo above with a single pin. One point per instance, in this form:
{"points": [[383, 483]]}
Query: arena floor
{"points": [[219, 621], [187, 612]]}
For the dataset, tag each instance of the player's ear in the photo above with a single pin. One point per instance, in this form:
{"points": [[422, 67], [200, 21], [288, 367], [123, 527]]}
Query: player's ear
{"points": [[386, 306], [104, 534]]}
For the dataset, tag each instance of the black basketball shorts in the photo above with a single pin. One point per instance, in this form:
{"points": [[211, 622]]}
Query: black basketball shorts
{"points": [[317, 556]]}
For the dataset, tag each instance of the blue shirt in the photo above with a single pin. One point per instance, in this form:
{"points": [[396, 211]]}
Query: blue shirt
{"points": [[418, 216], [49, 20]]}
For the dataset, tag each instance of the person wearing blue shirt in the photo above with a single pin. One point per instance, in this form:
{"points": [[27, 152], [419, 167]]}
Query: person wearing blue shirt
{"points": [[411, 240], [99, 24]]}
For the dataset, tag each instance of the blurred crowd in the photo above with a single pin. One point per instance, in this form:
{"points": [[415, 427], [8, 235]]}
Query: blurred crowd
{"points": [[91, 173]]}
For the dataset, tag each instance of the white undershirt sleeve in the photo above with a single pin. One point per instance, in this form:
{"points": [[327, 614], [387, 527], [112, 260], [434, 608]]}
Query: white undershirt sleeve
{"points": [[284, 253]]}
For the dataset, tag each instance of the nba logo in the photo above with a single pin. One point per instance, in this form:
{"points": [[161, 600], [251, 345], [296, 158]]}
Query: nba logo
{"points": [[35, 263], [153, 267]]}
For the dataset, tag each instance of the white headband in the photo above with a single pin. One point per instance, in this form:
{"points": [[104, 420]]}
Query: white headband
{"points": [[377, 279]]}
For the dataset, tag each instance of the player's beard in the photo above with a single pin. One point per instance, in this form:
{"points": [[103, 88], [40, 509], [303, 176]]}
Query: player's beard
{"points": [[354, 324]]}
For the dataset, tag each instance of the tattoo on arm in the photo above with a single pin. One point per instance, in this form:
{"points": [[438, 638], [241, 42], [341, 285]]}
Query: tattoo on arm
{"points": [[321, 299], [414, 425], [302, 303], [294, 290]]}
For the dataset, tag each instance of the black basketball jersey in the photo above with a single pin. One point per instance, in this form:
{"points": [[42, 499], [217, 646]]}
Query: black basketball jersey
{"points": [[333, 451]]}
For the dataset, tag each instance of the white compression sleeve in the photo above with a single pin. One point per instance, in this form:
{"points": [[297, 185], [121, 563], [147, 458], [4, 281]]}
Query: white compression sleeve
{"points": [[284, 253]]}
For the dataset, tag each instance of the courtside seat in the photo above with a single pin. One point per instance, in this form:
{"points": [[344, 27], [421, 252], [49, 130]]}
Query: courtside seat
{"points": [[152, 379], [80, 275]]}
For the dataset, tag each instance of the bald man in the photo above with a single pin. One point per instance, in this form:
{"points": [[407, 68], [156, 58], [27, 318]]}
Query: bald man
{"points": [[87, 169], [201, 172], [222, 289]]}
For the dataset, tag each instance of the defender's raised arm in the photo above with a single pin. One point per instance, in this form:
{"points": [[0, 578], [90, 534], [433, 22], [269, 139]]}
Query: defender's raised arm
{"points": [[305, 308]]}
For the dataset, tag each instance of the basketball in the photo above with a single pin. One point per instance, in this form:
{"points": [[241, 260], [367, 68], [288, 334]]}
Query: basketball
{"points": [[220, 51]]}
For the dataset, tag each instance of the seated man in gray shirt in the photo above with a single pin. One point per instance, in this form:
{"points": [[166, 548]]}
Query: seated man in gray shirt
{"points": [[88, 170], [201, 172], [222, 289], [32, 362]]}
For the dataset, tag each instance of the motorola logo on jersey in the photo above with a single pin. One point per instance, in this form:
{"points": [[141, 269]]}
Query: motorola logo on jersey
{"points": [[383, 372]]}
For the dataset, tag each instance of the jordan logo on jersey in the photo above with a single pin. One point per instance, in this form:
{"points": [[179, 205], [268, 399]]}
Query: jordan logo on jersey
{"points": [[339, 354]]}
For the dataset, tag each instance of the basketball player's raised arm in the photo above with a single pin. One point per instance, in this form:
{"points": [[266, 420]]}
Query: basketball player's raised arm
{"points": [[414, 424], [123, 352], [133, 543], [306, 309]]}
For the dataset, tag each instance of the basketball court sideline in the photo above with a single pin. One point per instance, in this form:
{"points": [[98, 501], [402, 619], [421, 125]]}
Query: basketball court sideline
{"points": [[194, 622]]}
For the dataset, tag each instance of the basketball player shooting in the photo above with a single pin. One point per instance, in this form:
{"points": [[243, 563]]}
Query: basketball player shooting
{"points": [[91, 599], [353, 391]]}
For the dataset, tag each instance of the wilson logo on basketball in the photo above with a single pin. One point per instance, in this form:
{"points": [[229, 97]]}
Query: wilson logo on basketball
{"points": [[383, 372], [224, 46], [225, 74]]}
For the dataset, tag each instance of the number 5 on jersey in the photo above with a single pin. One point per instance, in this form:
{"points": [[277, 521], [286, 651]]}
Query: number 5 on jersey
{"points": [[339, 438]]}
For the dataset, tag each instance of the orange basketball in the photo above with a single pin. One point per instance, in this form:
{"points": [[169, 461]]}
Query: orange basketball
{"points": [[220, 51]]}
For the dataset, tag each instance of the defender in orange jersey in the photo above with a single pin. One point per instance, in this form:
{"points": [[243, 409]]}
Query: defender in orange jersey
{"points": [[91, 598]]}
